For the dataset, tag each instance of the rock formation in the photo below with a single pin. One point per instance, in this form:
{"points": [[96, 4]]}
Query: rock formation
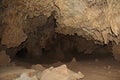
{"points": [[52, 73], [38, 24]]}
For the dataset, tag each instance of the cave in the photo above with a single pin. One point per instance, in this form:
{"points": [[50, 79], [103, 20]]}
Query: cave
{"points": [[59, 40]]}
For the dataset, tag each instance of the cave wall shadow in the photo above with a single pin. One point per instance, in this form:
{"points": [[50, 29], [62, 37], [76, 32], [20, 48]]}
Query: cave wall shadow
{"points": [[64, 48]]}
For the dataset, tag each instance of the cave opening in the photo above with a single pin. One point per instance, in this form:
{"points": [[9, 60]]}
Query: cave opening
{"points": [[59, 40], [64, 49]]}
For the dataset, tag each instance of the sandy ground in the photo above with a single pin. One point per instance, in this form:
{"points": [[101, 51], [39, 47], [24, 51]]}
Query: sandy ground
{"points": [[101, 70], [93, 68]]}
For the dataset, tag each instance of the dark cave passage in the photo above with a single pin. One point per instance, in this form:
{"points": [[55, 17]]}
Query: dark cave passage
{"points": [[21, 53], [64, 49]]}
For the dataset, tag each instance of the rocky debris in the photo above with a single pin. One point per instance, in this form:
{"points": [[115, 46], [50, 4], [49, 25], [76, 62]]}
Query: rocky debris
{"points": [[61, 72], [25, 76], [74, 60], [38, 67], [21, 73], [108, 67], [96, 60], [4, 58], [11, 73]]}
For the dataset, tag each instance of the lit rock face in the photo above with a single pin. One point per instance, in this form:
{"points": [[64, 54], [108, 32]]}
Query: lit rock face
{"points": [[15, 19], [31, 22], [97, 20], [93, 19], [61, 72], [26, 22]]}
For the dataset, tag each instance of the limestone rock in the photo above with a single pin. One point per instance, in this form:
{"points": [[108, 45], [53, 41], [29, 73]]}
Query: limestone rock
{"points": [[93, 19], [25, 76], [60, 73], [13, 37], [13, 34], [74, 60], [11, 73]]}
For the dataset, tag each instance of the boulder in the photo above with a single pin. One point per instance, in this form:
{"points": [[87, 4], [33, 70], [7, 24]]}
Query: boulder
{"points": [[25, 76], [60, 73]]}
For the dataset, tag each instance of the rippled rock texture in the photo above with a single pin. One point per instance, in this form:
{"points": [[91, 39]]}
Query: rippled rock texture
{"points": [[33, 24]]}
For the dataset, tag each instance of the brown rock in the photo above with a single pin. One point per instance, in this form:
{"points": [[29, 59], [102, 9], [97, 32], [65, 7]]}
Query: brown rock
{"points": [[4, 58], [116, 52], [13, 37], [74, 60]]}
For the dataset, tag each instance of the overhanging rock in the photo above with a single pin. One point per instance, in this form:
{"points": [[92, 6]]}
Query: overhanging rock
{"points": [[98, 20]]}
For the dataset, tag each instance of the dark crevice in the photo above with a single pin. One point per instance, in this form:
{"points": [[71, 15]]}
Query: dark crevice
{"points": [[64, 48], [22, 53]]}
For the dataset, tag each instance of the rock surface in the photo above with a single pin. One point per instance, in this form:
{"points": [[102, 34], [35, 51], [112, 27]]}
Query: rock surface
{"points": [[25, 76], [27, 23], [4, 58], [116, 52], [21, 73], [61, 72], [93, 19]]}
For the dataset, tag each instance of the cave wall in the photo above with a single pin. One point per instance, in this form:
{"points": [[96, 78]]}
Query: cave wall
{"points": [[34, 24], [93, 19]]}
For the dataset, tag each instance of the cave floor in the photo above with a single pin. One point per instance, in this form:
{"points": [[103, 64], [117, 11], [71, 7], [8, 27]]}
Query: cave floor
{"points": [[97, 70], [93, 68]]}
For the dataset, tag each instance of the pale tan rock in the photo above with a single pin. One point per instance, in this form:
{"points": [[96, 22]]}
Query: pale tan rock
{"points": [[60, 73], [94, 19], [13, 37], [74, 60], [25, 76], [4, 58], [11, 73], [97, 20]]}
